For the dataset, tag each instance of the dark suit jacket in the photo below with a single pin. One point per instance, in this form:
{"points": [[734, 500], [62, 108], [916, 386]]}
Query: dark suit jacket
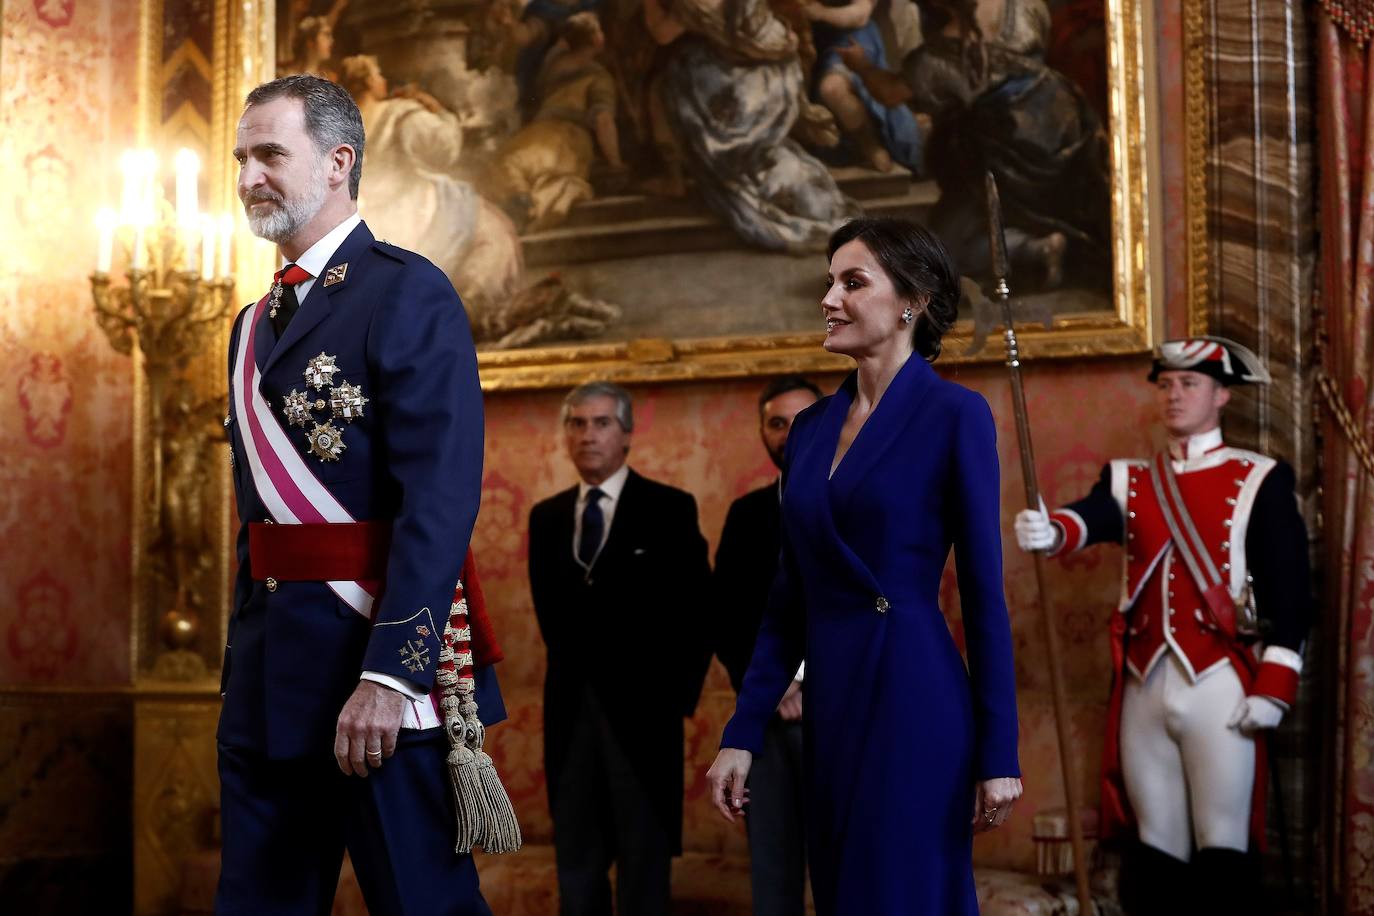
{"points": [[746, 563], [633, 631], [397, 329]]}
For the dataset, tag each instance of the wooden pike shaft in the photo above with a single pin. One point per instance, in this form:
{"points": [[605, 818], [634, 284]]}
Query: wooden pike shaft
{"points": [[1068, 764]]}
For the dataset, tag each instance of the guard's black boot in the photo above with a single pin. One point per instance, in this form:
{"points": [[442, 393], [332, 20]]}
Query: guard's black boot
{"points": [[1225, 881], [1153, 883]]}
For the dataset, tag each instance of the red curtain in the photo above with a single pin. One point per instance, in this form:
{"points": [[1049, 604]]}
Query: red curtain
{"points": [[1345, 98]]}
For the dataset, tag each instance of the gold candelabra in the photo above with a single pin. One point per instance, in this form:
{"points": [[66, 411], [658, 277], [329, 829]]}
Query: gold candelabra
{"points": [[171, 309]]}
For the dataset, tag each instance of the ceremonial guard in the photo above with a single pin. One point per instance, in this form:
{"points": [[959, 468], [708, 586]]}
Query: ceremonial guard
{"points": [[1207, 644], [356, 663]]}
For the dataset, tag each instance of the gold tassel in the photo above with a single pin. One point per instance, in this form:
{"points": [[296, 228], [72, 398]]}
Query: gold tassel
{"points": [[502, 828], [467, 794], [485, 814]]}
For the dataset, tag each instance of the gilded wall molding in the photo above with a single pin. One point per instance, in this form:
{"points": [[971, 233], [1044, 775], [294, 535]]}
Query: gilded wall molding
{"points": [[1196, 135]]}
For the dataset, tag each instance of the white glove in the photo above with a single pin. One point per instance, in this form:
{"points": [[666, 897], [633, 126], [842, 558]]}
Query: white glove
{"points": [[1035, 531], [1255, 713]]}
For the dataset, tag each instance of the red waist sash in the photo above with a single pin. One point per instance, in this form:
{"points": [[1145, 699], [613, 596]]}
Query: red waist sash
{"points": [[354, 551]]}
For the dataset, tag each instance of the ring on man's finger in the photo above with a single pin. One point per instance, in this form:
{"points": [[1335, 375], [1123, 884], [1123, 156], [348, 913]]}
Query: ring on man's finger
{"points": [[374, 753]]}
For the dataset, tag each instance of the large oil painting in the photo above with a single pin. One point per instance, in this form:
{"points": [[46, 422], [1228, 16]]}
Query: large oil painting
{"points": [[622, 181]]}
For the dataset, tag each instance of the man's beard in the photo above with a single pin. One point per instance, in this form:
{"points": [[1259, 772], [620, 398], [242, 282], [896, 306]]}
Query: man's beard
{"points": [[285, 220]]}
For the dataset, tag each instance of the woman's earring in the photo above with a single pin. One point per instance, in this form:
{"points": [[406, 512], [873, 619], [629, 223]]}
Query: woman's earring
{"points": [[908, 315]]}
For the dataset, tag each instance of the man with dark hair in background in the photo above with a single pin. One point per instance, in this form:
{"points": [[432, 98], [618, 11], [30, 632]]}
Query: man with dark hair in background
{"points": [[746, 562]]}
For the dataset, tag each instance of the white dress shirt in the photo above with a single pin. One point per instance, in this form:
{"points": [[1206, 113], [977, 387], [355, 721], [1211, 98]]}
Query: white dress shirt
{"points": [[611, 487], [316, 258]]}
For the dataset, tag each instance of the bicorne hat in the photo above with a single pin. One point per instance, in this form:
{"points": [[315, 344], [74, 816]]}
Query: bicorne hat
{"points": [[1224, 360]]}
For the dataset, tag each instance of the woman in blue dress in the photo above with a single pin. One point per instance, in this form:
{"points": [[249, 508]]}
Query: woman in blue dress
{"points": [[908, 752]]}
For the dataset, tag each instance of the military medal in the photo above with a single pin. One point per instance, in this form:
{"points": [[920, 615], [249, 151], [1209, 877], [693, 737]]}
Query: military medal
{"points": [[297, 408], [320, 371], [347, 401], [276, 299], [326, 441]]}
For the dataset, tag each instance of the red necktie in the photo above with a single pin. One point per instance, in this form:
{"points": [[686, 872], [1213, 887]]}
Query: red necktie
{"points": [[283, 296]]}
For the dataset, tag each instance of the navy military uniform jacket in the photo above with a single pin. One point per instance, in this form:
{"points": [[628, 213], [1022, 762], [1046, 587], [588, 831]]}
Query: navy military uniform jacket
{"points": [[397, 329]]}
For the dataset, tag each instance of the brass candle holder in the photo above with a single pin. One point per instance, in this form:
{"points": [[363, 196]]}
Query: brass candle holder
{"points": [[166, 317]]}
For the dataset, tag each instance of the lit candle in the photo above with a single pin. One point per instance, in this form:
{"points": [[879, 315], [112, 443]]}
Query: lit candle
{"points": [[188, 177], [129, 163], [105, 220], [136, 253], [207, 247], [226, 242], [148, 215]]}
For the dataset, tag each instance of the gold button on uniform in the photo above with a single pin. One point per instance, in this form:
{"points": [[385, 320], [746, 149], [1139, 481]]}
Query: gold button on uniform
{"points": [[271, 584], [882, 605]]}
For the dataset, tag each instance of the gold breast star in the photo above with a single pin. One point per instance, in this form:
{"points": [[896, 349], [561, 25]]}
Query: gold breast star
{"points": [[347, 401], [320, 371], [297, 408], [326, 441]]}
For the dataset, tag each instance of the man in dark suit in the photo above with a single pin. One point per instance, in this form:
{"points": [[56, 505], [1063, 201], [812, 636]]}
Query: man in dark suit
{"points": [[746, 562], [619, 571], [355, 426]]}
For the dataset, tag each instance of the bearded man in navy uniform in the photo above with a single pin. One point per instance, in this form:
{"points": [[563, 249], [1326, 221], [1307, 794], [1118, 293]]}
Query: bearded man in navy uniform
{"points": [[356, 432], [1207, 646]]}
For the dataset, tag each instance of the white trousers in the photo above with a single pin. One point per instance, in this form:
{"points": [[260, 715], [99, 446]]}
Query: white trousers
{"points": [[1188, 776]]}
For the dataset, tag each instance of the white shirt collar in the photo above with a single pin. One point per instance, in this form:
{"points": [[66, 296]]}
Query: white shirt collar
{"points": [[1192, 449], [316, 258], [611, 486]]}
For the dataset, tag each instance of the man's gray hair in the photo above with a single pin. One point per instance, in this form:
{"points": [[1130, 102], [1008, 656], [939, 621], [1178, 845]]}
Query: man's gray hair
{"points": [[624, 412], [331, 116]]}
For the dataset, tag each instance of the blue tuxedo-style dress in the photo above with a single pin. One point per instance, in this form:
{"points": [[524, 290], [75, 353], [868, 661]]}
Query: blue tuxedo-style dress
{"points": [[897, 730]]}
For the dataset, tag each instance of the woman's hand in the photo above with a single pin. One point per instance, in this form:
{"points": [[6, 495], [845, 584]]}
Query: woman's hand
{"points": [[726, 778], [993, 801]]}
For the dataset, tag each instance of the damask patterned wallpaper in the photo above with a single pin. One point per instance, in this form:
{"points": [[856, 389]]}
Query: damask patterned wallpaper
{"points": [[67, 96]]}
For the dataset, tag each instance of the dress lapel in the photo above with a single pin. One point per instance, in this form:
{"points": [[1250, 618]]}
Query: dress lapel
{"points": [[317, 303], [883, 427], [831, 493], [806, 496]]}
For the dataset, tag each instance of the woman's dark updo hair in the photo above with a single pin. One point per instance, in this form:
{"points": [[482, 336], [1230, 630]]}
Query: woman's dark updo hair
{"points": [[919, 268]]}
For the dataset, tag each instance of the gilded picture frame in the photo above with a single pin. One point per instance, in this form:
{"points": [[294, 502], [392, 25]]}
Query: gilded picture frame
{"points": [[1128, 325]]}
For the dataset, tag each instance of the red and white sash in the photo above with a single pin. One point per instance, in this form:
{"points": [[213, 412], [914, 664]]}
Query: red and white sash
{"points": [[288, 487]]}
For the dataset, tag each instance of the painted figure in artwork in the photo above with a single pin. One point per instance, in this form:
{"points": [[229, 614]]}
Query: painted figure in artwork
{"points": [[546, 167], [996, 107], [733, 93], [311, 40], [413, 151], [880, 134]]}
